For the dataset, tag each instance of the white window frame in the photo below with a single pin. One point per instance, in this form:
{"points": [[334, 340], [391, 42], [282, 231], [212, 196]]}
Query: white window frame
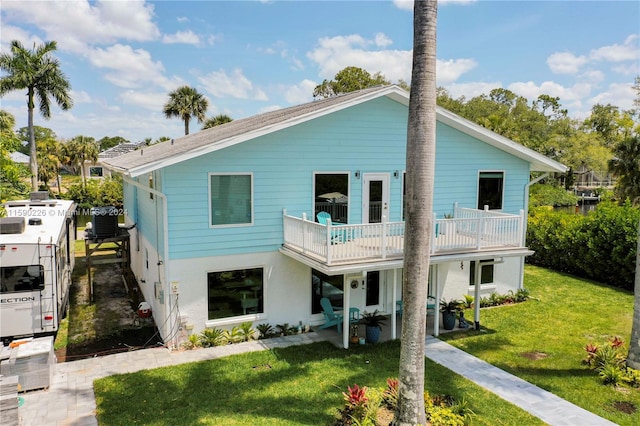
{"points": [[485, 286], [504, 180], [240, 318], [253, 209], [313, 191]]}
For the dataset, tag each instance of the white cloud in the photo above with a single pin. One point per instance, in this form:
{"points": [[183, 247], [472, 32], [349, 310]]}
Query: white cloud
{"points": [[592, 76], [10, 33], [628, 51], [471, 90], [235, 85], [450, 70], [566, 94], [618, 94], [565, 63], [382, 40], [186, 37], [80, 23], [182, 19], [152, 101], [629, 69], [130, 68], [300, 93], [80, 97]]}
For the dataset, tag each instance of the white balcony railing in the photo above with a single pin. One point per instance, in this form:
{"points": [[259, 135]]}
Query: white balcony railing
{"points": [[468, 231]]}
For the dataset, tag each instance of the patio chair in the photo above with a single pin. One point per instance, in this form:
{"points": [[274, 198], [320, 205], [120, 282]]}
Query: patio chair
{"points": [[337, 236], [431, 305], [331, 317]]}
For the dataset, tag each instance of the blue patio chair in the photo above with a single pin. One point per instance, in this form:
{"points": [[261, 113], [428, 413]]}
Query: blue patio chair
{"points": [[431, 305], [331, 317], [337, 236]]}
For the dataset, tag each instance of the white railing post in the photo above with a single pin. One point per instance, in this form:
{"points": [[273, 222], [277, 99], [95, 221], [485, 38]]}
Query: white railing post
{"points": [[305, 230], [383, 239], [479, 232], [434, 231], [328, 242], [455, 210], [521, 228]]}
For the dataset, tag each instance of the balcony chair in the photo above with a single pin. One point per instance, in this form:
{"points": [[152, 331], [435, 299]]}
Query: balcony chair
{"points": [[331, 317], [337, 236]]}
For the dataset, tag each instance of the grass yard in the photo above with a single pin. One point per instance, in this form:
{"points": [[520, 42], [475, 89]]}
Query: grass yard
{"points": [[565, 314], [299, 385]]}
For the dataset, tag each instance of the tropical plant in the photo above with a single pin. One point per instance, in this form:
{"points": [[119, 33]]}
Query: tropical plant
{"points": [[373, 319], [247, 331], [234, 335], [49, 153], [348, 80], [192, 342], [186, 102], [266, 330], [13, 174], [468, 301], [218, 120], [212, 337], [626, 167], [82, 149], [39, 73], [453, 305], [420, 166]]}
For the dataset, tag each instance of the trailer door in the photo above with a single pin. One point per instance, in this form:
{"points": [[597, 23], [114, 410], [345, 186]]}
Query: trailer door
{"points": [[21, 311]]}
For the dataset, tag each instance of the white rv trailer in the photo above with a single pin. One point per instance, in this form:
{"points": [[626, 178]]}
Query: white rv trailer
{"points": [[37, 256]]}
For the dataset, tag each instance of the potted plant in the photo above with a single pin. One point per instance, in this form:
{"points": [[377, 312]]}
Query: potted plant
{"points": [[449, 311], [374, 322]]}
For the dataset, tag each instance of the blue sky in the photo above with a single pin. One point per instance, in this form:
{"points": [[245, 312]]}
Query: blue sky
{"points": [[123, 57]]}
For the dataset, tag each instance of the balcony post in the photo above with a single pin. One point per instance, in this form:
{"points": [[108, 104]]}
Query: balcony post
{"points": [[305, 230], [479, 232], [434, 231], [521, 228], [383, 240], [328, 242]]}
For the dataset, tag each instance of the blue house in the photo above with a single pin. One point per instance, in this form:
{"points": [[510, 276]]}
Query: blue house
{"points": [[226, 226]]}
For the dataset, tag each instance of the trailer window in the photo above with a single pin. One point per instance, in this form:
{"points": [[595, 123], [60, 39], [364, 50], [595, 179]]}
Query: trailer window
{"points": [[21, 278]]}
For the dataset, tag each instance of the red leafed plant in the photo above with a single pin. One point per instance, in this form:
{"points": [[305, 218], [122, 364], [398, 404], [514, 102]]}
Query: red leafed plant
{"points": [[616, 342], [390, 395], [356, 396]]}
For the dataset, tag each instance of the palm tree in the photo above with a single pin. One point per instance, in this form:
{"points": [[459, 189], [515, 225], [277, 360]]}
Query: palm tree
{"points": [[421, 142], [39, 72], [185, 102], [82, 149], [216, 121], [626, 167], [48, 161], [7, 121]]}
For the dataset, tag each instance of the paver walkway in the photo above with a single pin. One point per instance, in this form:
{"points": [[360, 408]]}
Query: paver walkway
{"points": [[70, 399]]}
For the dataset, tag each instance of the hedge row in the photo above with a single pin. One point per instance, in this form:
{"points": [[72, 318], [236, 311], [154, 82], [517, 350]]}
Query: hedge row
{"points": [[600, 246]]}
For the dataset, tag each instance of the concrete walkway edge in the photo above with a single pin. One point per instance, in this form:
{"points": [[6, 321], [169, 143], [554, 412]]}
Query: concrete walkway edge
{"points": [[546, 406]]}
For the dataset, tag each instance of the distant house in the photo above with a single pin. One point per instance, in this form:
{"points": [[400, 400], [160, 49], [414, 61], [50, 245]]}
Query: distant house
{"points": [[18, 157], [97, 170], [226, 228]]}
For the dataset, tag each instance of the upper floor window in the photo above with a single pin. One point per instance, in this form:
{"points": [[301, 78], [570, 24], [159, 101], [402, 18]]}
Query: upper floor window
{"points": [[490, 190], [332, 195], [231, 198], [486, 273]]}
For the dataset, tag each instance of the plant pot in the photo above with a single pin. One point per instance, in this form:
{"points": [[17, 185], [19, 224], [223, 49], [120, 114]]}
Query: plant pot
{"points": [[354, 340], [372, 334], [448, 320]]}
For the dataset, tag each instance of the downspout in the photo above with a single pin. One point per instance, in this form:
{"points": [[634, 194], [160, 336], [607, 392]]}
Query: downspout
{"points": [[524, 225], [165, 226]]}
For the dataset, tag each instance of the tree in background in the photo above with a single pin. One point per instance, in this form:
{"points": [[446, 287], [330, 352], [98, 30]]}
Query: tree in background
{"points": [[109, 142], [49, 153], [186, 102], [625, 164], [348, 80], [13, 175], [80, 150], [216, 121], [39, 72], [421, 153], [40, 133]]}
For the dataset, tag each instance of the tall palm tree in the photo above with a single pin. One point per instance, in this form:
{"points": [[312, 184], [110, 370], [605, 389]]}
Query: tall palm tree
{"points": [[216, 121], [82, 149], [48, 161], [186, 102], [421, 143], [39, 72]]}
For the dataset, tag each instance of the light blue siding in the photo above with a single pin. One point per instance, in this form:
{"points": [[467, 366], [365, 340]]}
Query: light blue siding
{"points": [[370, 137]]}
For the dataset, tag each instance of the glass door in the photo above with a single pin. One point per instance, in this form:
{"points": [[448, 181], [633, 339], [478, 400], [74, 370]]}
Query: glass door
{"points": [[375, 196]]}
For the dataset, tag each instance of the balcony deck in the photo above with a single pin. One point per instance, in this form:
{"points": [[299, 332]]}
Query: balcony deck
{"points": [[468, 231]]}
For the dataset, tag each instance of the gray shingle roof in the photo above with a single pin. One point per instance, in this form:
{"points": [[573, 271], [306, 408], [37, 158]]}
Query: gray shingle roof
{"points": [[194, 142], [118, 150]]}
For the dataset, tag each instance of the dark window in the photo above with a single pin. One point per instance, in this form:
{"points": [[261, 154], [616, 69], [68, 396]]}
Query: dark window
{"points": [[21, 278], [486, 274], [331, 287], [490, 187], [231, 199], [235, 293], [332, 195], [95, 171], [373, 288]]}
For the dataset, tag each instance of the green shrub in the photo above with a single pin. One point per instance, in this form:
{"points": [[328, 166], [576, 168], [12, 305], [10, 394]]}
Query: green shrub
{"points": [[266, 330], [599, 246], [549, 195], [96, 193], [212, 337]]}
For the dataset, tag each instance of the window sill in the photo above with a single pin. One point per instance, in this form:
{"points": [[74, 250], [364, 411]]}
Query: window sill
{"points": [[483, 287], [235, 320]]}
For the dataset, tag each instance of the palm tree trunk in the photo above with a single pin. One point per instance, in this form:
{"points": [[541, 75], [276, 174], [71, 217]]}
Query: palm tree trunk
{"points": [[186, 126], [633, 359], [33, 161], [421, 142]]}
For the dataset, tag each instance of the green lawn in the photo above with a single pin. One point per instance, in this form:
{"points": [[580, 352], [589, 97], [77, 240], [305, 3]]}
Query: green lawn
{"points": [[565, 314], [299, 385], [303, 385]]}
